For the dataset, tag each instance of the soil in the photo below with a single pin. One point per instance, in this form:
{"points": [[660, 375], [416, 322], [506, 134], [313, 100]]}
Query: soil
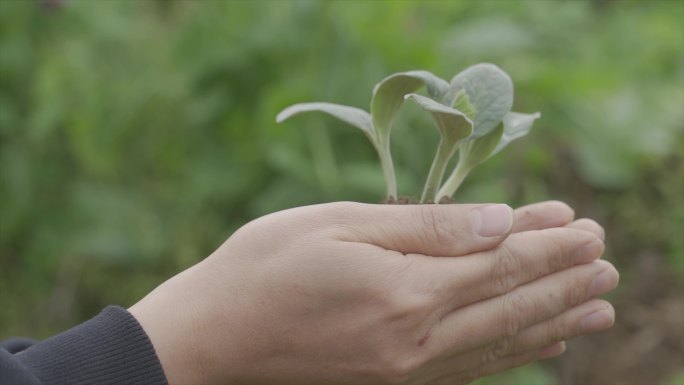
{"points": [[414, 201]]}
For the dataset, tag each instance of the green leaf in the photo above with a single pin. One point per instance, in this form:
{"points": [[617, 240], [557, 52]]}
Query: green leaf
{"points": [[358, 118], [462, 103], [472, 153], [453, 124], [489, 91], [352, 115], [479, 149], [388, 95], [515, 125]]}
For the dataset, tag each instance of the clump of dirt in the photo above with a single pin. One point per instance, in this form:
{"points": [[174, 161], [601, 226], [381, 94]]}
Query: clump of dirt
{"points": [[414, 201], [401, 201]]}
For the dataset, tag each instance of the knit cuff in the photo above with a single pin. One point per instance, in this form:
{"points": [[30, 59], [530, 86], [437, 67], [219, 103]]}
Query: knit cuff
{"points": [[111, 348]]}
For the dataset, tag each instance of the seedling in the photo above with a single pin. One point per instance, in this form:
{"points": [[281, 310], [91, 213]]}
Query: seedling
{"points": [[472, 114]]}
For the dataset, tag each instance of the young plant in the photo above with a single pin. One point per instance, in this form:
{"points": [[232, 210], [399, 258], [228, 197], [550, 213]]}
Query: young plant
{"points": [[472, 114], [388, 95], [454, 127]]}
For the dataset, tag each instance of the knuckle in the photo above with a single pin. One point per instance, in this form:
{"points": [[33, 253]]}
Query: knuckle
{"points": [[558, 248], [506, 270], [400, 300], [498, 350], [516, 309], [558, 331], [556, 262], [557, 252], [575, 292], [438, 224], [396, 369], [407, 306]]}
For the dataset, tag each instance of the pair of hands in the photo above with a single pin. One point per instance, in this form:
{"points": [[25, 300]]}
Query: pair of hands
{"points": [[349, 293]]}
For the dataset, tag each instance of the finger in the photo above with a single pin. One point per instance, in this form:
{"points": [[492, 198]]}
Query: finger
{"points": [[510, 362], [588, 225], [551, 351], [592, 316], [436, 230], [542, 215], [468, 376], [520, 259], [488, 321]]}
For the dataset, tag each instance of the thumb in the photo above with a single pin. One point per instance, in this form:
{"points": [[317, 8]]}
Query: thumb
{"points": [[433, 229]]}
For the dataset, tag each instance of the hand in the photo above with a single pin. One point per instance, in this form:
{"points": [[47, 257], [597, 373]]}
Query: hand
{"points": [[349, 293]]}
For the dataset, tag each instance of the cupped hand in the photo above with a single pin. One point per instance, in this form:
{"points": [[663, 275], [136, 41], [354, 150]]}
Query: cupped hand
{"points": [[349, 293]]}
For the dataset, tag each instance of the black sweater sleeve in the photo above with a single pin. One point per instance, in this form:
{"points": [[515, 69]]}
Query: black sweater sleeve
{"points": [[111, 348]]}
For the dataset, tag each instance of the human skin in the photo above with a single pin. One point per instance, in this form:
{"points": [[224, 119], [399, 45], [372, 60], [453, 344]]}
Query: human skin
{"points": [[350, 293]]}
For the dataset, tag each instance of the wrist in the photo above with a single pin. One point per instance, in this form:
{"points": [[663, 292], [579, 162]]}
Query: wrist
{"points": [[166, 315]]}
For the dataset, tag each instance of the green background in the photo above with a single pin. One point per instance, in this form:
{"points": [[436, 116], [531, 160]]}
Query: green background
{"points": [[136, 136]]}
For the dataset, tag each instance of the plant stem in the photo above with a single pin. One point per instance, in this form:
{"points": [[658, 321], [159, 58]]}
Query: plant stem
{"points": [[388, 171], [455, 179], [444, 152]]}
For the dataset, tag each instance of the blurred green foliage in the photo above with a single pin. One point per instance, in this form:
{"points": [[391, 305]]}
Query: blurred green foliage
{"points": [[678, 379], [135, 136]]}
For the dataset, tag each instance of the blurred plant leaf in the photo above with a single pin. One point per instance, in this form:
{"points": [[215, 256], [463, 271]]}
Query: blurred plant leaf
{"points": [[489, 90], [462, 103], [351, 115], [515, 126], [388, 96], [480, 149], [453, 124], [486, 36], [472, 153]]}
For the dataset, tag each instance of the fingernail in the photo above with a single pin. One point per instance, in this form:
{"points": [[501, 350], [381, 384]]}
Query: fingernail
{"points": [[588, 252], [604, 281], [597, 321], [492, 220]]}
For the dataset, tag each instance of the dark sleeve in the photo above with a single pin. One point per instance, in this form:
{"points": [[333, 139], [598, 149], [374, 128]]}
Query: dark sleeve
{"points": [[111, 348]]}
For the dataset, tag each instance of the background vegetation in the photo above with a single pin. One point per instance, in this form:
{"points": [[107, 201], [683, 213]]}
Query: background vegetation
{"points": [[135, 136]]}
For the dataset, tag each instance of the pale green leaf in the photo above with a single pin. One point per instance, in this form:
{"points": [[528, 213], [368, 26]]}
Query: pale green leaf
{"points": [[352, 115], [515, 125], [453, 124], [462, 103], [490, 92], [388, 96], [479, 149]]}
